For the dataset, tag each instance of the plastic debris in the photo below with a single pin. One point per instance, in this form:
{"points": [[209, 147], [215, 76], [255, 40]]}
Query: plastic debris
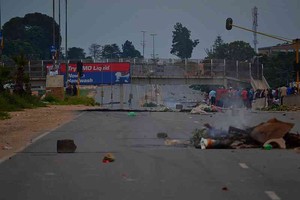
{"points": [[172, 142], [268, 147], [131, 114], [279, 142], [109, 157], [6, 147]]}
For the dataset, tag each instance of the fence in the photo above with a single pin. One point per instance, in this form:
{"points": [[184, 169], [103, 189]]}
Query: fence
{"points": [[192, 68]]}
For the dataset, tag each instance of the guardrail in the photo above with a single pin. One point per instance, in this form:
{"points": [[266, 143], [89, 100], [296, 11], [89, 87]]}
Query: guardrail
{"points": [[166, 68]]}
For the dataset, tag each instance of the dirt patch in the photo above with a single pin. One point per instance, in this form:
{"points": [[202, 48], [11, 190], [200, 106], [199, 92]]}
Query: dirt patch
{"points": [[24, 126]]}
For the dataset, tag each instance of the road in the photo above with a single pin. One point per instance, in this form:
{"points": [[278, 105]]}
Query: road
{"points": [[145, 168], [167, 95]]}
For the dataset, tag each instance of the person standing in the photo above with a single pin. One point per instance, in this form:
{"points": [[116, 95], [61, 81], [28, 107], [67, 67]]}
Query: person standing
{"points": [[250, 98], [74, 89], [244, 95], [212, 96], [283, 93]]}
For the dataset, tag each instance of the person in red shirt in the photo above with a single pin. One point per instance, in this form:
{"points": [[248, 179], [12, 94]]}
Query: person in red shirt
{"points": [[244, 95]]}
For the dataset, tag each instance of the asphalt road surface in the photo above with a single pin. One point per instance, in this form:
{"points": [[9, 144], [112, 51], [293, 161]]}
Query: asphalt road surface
{"points": [[145, 168], [167, 95]]}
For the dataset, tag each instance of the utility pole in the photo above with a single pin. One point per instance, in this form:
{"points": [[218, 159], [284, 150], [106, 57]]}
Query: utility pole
{"points": [[254, 27], [66, 40], [143, 43], [59, 37], [53, 34], [1, 35], [153, 36]]}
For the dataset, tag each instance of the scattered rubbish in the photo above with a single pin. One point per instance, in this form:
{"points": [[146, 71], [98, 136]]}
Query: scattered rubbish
{"points": [[109, 157], [284, 114], [66, 146], [269, 135], [271, 129], [279, 142], [292, 140], [297, 149], [207, 143], [172, 142], [162, 135], [205, 109], [5, 147], [268, 147], [132, 114], [224, 188]]}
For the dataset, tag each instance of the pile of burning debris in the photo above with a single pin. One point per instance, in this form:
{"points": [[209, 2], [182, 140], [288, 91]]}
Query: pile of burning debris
{"points": [[273, 133]]}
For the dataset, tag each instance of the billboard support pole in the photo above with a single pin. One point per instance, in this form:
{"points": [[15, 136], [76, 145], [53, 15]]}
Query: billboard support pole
{"points": [[121, 96], [78, 84]]}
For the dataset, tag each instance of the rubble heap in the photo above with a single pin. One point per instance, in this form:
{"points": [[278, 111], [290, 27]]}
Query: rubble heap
{"points": [[273, 132]]}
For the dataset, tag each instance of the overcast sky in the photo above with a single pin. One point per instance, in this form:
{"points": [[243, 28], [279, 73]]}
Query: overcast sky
{"points": [[115, 21]]}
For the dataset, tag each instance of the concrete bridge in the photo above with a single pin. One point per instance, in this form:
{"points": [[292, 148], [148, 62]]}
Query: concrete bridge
{"points": [[170, 71]]}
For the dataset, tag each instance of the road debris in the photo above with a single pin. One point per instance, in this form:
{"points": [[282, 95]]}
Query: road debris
{"points": [[131, 114], [66, 146], [267, 135], [5, 147], [109, 157], [162, 135], [279, 142], [206, 109], [272, 129], [224, 188], [268, 146]]}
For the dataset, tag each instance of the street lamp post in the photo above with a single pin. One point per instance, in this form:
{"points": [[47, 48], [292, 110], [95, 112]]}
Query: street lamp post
{"points": [[66, 40], [153, 40], [143, 43]]}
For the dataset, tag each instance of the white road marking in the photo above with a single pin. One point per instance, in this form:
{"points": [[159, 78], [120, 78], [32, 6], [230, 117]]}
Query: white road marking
{"points": [[243, 165], [272, 195]]}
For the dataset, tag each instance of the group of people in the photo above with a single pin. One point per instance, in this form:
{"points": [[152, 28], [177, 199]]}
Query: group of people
{"points": [[244, 97], [71, 90], [276, 96], [231, 97]]}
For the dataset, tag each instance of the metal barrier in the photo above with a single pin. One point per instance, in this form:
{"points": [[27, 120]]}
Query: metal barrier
{"points": [[192, 68]]}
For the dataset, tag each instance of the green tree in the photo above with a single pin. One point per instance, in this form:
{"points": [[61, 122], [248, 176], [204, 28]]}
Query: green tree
{"points": [[34, 30], [219, 49], [111, 51], [5, 76], [278, 68], [182, 45], [95, 51], [129, 51], [76, 53], [240, 50]]}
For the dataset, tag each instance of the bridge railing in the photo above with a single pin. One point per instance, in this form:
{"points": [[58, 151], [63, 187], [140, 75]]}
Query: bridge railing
{"points": [[192, 68]]}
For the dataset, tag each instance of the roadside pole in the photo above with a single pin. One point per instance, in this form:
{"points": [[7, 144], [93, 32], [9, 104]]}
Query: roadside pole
{"points": [[296, 43], [78, 84]]}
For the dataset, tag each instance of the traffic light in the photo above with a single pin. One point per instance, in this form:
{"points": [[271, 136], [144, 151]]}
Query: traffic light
{"points": [[228, 23], [79, 68]]}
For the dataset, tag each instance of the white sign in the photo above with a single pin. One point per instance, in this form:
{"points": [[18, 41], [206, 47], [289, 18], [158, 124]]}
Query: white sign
{"points": [[55, 81]]}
